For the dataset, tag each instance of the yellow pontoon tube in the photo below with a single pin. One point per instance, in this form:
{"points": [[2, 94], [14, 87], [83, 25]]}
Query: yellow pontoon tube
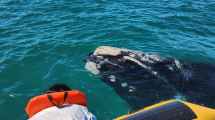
{"points": [[172, 110]]}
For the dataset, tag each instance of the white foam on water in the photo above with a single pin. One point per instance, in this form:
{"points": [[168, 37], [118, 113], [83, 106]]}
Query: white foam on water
{"points": [[178, 64], [179, 96], [112, 78], [131, 89], [124, 84]]}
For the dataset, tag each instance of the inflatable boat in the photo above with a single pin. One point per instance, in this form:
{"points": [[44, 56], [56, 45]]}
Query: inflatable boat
{"points": [[172, 110]]}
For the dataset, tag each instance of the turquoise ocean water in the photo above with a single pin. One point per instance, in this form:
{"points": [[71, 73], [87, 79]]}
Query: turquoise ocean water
{"points": [[43, 42]]}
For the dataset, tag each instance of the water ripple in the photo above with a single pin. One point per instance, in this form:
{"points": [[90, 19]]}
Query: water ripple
{"points": [[46, 41]]}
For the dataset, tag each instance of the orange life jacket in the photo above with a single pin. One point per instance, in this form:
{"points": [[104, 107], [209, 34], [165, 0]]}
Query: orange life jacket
{"points": [[41, 102]]}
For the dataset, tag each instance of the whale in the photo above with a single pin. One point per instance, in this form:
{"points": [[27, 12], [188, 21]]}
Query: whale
{"points": [[143, 79]]}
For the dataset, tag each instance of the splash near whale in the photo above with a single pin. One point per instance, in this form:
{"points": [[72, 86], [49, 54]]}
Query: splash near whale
{"points": [[143, 78]]}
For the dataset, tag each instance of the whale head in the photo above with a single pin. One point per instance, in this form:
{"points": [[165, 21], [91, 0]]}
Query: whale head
{"points": [[140, 77], [129, 72], [107, 60]]}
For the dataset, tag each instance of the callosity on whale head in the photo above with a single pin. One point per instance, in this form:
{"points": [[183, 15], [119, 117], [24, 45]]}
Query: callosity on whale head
{"points": [[103, 57]]}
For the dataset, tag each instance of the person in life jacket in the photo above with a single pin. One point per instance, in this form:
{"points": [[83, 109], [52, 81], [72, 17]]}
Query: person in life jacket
{"points": [[59, 103]]}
